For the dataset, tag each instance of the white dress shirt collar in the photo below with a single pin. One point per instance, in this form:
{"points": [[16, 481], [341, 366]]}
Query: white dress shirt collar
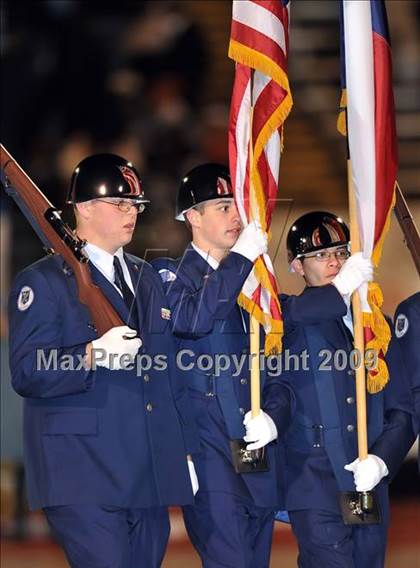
{"points": [[212, 261], [104, 262]]}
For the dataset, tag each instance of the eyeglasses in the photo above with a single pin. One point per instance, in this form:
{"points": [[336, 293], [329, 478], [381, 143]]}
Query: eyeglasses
{"points": [[324, 256], [125, 205]]}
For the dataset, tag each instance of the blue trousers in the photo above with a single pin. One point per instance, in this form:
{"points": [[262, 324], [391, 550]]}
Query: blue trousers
{"points": [[110, 537], [229, 531], [325, 541]]}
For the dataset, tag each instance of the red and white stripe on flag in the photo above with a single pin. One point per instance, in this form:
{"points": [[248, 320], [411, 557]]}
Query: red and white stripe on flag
{"points": [[261, 102], [373, 150]]}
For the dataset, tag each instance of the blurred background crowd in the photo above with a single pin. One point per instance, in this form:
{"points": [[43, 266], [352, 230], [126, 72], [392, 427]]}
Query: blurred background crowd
{"points": [[151, 81]]}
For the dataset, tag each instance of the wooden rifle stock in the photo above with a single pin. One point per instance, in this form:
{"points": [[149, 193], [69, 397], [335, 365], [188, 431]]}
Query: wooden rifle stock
{"points": [[58, 238], [408, 227]]}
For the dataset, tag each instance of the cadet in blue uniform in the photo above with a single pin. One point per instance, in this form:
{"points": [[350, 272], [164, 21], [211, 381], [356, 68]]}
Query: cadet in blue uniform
{"points": [[105, 447], [321, 443], [231, 521], [407, 331]]}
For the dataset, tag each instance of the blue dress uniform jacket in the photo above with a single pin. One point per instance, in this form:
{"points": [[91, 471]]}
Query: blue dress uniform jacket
{"points": [[322, 437], [207, 320], [115, 438]]}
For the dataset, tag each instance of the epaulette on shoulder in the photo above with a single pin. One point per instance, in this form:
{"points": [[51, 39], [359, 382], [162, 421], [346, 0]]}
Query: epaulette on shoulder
{"points": [[47, 265], [135, 259]]}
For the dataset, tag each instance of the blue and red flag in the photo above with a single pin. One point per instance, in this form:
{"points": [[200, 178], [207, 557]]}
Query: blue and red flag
{"points": [[368, 118]]}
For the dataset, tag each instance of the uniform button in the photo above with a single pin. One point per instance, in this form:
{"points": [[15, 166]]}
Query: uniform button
{"points": [[350, 372], [244, 381], [146, 378], [350, 400], [149, 407], [241, 411], [350, 428]]}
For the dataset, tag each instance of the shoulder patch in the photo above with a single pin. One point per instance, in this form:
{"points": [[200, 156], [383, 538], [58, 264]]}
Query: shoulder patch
{"points": [[401, 325], [167, 275], [25, 298]]}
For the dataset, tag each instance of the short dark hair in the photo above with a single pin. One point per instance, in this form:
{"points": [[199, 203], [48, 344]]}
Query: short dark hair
{"points": [[200, 208]]}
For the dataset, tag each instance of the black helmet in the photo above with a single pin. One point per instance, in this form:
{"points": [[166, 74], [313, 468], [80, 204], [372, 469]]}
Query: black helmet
{"points": [[316, 231], [105, 175], [202, 183]]}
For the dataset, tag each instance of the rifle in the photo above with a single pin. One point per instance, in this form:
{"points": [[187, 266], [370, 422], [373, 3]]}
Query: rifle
{"points": [[408, 227], [57, 238]]}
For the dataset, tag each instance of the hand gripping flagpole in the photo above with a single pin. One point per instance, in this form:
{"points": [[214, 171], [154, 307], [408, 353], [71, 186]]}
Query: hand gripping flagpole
{"points": [[358, 507]]}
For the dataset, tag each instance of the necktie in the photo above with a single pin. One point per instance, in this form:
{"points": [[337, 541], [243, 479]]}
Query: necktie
{"points": [[122, 284]]}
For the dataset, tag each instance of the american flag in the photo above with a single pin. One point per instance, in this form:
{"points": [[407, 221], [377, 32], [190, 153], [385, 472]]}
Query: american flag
{"points": [[369, 101], [261, 102]]}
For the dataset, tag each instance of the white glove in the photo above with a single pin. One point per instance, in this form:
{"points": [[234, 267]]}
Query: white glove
{"points": [[193, 477], [108, 349], [354, 272], [368, 472], [252, 242], [261, 430]]}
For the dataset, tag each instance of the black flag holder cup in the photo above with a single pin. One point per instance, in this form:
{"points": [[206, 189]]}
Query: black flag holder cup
{"points": [[248, 461], [251, 461], [359, 508]]}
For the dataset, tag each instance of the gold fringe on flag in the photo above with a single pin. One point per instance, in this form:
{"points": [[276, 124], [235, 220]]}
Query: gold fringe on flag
{"points": [[273, 338], [341, 119], [376, 321], [377, 251], [377, 378], [260, 62]]}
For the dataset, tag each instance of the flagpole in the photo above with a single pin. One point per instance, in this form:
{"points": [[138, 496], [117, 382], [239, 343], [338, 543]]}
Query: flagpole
{"points": [[358, 507], [255, 366], [359, 343], [254, 327], [254, 349], [251, 461]]}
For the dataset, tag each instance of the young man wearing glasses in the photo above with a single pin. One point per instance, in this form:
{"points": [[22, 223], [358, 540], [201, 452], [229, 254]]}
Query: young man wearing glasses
{"points": [[321, 442], [106, 443]]}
